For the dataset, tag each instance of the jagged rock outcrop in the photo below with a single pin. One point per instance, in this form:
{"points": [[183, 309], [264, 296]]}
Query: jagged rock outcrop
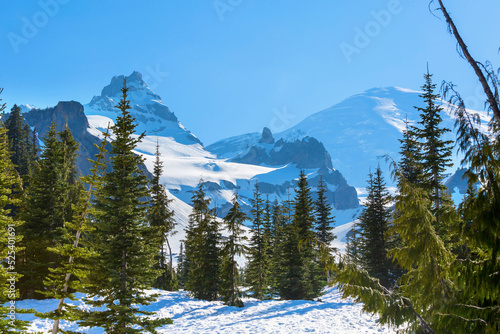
{"points": [[305, 153], [70, 113], [267, 136], [150, 113]]}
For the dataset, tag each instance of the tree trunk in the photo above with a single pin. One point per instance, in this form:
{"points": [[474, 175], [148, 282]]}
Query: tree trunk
{"points": [[484, 82], [171, 264]]}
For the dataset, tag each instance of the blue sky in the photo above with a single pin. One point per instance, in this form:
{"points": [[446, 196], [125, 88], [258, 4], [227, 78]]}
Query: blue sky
{"points": [[227, 67]]}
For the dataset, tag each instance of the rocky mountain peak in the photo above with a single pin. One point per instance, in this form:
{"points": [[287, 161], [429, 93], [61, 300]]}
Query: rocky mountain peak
{"points": [[267, 136]]}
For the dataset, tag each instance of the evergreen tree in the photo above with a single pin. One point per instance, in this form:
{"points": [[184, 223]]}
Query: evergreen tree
{"points": [[258, 264], [232, 247], [410, 163], [76, 254], [325, 223], [373, 225], [161, 220], [202, 252], [304, 219], [275, 246], [23, 148], [435, 153], [124, 267], [476, 271], [9, 238], [301, 277], [53, 191]]}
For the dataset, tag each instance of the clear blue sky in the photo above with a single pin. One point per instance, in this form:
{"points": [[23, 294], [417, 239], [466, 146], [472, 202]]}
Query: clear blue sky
{"points": [[235, 66]]}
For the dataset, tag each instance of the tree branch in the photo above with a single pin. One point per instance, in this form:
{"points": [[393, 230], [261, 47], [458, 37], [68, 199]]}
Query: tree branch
{"points": [[484, 82]]}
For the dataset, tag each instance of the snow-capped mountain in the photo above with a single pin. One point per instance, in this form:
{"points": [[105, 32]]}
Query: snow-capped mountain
{"points": [[305, 154], [149, 111], [358, 132], [187, 162]]}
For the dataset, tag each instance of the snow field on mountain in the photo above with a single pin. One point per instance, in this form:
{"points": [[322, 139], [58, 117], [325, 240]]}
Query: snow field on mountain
{"points": [[331, 314]]}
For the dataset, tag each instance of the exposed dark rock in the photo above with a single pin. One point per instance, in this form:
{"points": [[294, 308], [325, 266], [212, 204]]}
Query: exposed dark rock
{"points": [[229, 185], [345, 197], [305, 153], [211, 186], [70, 113], [267, 137]]}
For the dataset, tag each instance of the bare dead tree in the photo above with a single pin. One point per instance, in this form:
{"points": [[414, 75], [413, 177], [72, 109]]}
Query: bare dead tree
{"points": [[491, 93]]}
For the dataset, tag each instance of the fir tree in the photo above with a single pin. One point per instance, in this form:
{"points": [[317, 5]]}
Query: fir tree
{"points": [[9, 238], [202, 252], [161, 220], [24, 150], [258, 264], [301, 277], [410, 163], [76, 254], [232, 247], [435, 153], [275, 246], [325, 223], [304, 219], [49, 201], [124, 267], [373, 225]]}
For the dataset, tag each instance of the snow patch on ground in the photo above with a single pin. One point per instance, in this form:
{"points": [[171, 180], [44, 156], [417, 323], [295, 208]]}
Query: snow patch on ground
{"points": [[330, 315]]}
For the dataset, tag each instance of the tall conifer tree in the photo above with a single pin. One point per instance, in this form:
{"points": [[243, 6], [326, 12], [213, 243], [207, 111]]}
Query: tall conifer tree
{"points": [[324, 219], [161, 220], [301, 277], [373, 226], [202, 252], [53, 191], [9, 237], [435, 152], [75, 252], [232, 247], [258, 265], [124, 267], [23, 148]]}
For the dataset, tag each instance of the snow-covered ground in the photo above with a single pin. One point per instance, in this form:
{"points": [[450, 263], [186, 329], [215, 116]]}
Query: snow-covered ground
{"points": [[330, 315]]}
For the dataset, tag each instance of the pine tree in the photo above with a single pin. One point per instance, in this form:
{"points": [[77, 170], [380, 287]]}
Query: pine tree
{"points": [[435, 153], [161, 220], [304, 219], [202, 252], [410, 163], [301, 277], [325, 223], [476, 270], [50, 197], [124, 267], [275, 246], [23, 149], [258, 264], [373, 226], [232, 247], [76, 254], [9, 238]]}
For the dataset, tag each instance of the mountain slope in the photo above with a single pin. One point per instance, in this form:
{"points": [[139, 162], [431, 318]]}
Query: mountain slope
{"points": [[358, 132], [149, 111]]}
